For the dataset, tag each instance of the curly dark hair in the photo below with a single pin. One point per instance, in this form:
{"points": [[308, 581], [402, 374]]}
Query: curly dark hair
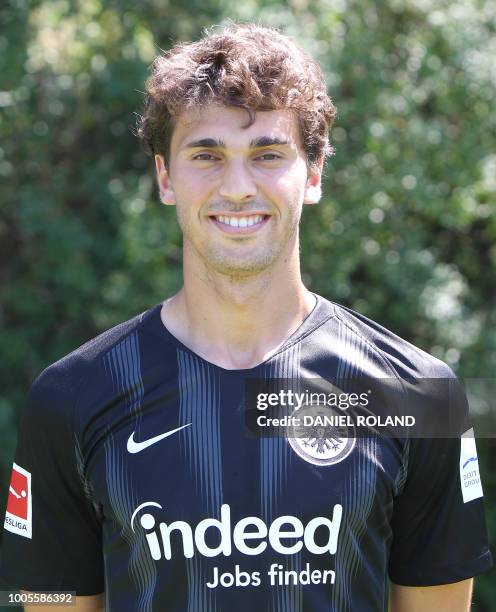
{"points": [[243, 65]]}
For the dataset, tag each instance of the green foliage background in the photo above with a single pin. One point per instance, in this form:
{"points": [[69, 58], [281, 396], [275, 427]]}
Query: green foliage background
{"points": [[406, 231]]}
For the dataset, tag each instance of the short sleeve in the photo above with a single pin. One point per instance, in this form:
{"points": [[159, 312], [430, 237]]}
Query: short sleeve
{"points": [[52, 531], [438, 522]]}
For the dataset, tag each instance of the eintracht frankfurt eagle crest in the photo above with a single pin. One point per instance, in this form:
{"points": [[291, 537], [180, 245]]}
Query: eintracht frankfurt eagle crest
{"points": [[318, 443]]}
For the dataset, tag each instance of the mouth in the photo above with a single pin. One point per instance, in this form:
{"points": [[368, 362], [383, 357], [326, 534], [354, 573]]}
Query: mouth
{"points": [[240, 224]]}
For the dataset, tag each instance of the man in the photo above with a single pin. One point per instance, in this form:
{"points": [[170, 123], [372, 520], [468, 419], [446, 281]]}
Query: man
{"points": [[142, 487]]}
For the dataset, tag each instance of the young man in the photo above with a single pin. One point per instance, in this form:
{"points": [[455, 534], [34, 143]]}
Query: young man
{"points": [[137, 483]]}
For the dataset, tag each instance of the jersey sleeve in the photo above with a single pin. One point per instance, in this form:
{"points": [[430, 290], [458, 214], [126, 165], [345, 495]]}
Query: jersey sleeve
{"points": [[438, 522], [52, 531]]}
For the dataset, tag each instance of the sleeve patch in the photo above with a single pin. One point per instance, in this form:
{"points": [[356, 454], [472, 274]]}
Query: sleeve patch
{"points": [[469, 468], [18, 517]]}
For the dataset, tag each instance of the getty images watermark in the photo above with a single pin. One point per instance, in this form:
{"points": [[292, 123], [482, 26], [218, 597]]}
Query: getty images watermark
{"points": [[318, 409], [325, 409]]}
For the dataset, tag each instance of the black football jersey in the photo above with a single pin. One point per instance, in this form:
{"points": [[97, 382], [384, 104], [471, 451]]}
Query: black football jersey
{"points": [[135, 475]]}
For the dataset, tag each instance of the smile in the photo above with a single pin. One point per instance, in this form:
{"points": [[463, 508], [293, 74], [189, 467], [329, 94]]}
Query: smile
{"points": [[237, 224]]}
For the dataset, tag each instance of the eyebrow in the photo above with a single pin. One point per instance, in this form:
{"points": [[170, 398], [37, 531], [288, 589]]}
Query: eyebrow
{"points": [[212, 143]]}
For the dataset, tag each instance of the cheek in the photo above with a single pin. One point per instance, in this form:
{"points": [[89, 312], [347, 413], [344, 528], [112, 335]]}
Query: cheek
{"points": [[292, 183], [192, 188], [188, 197], [289, 192]]}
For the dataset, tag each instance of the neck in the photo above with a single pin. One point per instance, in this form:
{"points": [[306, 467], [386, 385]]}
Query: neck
{"points": [[238, 323]]}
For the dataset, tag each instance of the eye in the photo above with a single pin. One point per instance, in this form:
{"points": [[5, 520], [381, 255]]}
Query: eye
{"points": [[204, 157], [268, 157]]}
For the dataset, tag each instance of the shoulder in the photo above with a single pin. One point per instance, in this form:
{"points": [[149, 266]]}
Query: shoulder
{"points": [[57, 388], [403, 358], [407, 378]]}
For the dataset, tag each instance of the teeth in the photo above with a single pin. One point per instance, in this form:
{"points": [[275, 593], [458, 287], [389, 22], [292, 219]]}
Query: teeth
{"points": [[240, 221]]}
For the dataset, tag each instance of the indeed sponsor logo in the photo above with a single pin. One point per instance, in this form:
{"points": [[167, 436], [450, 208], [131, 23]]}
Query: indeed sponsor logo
{"points": [[286, 535]]}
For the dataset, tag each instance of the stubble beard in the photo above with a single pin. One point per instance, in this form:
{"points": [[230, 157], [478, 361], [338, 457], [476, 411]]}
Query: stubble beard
{"points": [[223, 262]]}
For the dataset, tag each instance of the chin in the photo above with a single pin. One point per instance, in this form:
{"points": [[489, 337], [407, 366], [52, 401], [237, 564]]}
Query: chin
{"points": [[241, 268]]}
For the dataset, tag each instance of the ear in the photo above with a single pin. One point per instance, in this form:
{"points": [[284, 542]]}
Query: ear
{"points": [[167, 195], [313, 190]]}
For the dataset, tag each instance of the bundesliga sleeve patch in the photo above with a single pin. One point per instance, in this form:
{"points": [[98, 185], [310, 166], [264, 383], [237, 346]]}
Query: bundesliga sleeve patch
{"points": [[18, 517], [469, 468]]}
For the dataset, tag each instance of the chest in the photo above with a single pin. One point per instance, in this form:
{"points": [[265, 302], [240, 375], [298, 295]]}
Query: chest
{"points": [[186, 454]]}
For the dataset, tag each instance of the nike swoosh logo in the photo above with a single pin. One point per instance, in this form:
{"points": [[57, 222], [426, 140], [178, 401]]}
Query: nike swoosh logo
{"points": [[136, 447]]}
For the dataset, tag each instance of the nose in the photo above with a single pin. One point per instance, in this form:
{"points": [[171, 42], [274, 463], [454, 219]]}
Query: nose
{"points": [[237, 184]]}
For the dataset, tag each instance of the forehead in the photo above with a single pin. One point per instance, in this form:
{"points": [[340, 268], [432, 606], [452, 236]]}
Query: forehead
{"points": [[229, 125]]}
